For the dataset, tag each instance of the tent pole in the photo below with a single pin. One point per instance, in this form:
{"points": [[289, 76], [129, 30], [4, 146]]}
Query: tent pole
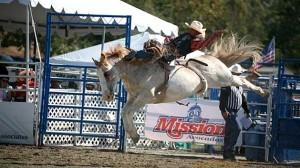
{"points": [[103, 39], [27, 51]]}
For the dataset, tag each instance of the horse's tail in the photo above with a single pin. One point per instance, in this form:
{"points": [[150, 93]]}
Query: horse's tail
{"points": [[230, 50]]}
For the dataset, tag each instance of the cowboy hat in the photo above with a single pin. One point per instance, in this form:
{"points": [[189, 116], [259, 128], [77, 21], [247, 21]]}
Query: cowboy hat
{"points": [[237, 69], [196, 25]]}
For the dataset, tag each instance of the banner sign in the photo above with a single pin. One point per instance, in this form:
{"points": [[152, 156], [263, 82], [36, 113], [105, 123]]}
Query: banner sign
{"points": [[193, 121], [16, 122]]}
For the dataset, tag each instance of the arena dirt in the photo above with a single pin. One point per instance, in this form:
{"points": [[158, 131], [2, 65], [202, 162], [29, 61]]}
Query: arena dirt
{"points": [[20, 156]]}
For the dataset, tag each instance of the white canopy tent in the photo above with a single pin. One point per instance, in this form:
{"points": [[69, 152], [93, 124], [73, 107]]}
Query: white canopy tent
{"points": [[13, 15], [84, 57]]}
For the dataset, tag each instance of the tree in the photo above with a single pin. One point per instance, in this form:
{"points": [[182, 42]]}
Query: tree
{"points": [[242, 17], [286, 29]]}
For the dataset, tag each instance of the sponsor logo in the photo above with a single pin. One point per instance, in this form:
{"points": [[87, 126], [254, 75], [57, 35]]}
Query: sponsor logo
{"points": [[13, 137], [175, 127]]}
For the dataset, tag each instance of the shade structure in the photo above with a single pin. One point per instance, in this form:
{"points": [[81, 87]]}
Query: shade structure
{"points": [[12, 16]]}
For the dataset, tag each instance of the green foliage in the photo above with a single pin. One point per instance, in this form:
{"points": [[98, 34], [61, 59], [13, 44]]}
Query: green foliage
{"points": [[286, 29], [62, 45], [59, 44], [16, 38], [239, 16]]}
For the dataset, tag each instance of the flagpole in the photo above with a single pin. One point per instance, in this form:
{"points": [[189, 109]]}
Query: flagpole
{"points": [[274, 56]]}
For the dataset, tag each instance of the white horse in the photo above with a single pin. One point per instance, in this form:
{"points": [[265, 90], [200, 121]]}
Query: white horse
{"points": [[145, 82]]}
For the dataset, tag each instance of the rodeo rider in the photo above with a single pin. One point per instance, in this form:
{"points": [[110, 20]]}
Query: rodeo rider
{"points": [[182, 45]]}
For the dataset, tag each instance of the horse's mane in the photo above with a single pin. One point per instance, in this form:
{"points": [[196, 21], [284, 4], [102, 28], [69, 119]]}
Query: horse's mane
{"points": [[117, 51], [230, 50]]}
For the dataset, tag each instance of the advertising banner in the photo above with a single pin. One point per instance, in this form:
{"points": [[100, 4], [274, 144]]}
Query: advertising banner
{"points": [[188, 121], [16, 122]]}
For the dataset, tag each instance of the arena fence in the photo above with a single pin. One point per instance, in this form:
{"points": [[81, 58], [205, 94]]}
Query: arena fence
{"points": [[286, 118], [76, 115], [24, 87]]}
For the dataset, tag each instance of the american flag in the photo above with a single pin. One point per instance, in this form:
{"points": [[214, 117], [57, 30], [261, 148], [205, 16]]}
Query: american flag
{"points": [[268, 54]]}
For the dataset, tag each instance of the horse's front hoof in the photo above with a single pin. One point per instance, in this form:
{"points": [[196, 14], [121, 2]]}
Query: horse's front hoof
{"points": [[135, 139]]}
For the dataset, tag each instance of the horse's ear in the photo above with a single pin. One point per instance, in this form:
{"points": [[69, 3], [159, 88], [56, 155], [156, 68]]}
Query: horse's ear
{"points": [[96, 62]]}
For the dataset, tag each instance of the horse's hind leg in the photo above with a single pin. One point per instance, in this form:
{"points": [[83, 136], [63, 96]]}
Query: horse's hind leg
{"points": [[241, 81]]}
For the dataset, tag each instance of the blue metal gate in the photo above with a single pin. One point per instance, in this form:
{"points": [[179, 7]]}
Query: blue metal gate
{"points": [[74, 115], [286, 119]]}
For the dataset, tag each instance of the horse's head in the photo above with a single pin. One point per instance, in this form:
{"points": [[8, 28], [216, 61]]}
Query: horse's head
{"points": [[107, 73], [108, 78]]}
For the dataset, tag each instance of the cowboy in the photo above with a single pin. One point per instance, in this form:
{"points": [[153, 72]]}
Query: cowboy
{"points": [[182, 45], [188, 42], [55, 84]]}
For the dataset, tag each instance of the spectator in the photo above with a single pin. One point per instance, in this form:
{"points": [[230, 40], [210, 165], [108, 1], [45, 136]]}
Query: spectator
{"points": [[55, 84], [5, 95], [91, 86], [20, 96]]}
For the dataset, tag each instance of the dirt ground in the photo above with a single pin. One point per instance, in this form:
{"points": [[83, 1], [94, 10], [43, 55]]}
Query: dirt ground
{"points": [[20, 156]]}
